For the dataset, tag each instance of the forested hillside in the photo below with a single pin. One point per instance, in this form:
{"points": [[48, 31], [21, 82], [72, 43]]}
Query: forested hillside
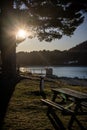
{"points": [[74, 56]]}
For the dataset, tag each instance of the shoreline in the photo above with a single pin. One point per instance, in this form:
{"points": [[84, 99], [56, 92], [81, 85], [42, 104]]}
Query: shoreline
{"points": [[65, 80], [73, 81], [58, 72]]}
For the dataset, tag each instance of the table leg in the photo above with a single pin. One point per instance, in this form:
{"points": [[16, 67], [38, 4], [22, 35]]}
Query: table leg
{"points": [[55, 120], [54, 97], [74, 118]]}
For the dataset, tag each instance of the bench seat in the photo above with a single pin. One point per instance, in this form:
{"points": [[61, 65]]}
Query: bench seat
{"points": [[57, 106]]}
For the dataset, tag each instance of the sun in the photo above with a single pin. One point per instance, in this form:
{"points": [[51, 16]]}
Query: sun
{"points": [[21, 34]]}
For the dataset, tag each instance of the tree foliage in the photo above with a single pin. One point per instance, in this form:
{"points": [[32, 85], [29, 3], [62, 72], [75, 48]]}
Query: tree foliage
{"points": [[51, 19]]}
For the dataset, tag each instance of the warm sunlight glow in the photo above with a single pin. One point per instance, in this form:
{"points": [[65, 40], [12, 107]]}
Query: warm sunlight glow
{"points": [[21, 33]]}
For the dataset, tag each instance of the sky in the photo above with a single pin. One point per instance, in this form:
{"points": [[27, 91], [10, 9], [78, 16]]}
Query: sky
{"points": [[65, 43]]}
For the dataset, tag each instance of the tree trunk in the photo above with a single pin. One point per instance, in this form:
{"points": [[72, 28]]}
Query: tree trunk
{"points": [[8, 40], [8, 56]]}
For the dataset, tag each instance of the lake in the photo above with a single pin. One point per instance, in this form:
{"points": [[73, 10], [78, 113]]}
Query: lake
{"points": [[71, 72]]}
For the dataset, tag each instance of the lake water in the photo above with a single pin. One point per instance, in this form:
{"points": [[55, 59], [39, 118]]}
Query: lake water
{"points": [[79, 72]]}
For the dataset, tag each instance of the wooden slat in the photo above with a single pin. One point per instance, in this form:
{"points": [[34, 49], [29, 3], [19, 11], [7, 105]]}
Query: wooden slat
{"points": [[57, 106], [72, 93]]}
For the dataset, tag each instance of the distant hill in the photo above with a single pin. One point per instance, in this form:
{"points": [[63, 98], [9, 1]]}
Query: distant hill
{"points": [[74, 56], [78, 54], [79, 48]]}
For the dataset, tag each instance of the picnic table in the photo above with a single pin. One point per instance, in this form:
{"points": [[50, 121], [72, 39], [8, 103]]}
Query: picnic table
{"points": [[70, 102]]}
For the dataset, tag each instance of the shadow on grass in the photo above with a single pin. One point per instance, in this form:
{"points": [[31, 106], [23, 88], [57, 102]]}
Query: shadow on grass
{"points": [[7, 87], [36, 93]]}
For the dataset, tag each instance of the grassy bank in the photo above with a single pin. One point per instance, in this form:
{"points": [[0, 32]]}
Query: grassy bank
{"points": [[25, 110]]}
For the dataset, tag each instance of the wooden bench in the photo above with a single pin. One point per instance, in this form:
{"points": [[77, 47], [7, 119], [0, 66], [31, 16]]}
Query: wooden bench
{"points": [[55, 120], [71, 105], [52, 104]]}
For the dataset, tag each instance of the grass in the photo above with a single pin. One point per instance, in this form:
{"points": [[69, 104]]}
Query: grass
{"points": [[25, 110]]}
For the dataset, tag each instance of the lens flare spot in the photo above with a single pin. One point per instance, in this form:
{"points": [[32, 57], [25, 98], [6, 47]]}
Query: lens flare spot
{"points": [[21, 33]]}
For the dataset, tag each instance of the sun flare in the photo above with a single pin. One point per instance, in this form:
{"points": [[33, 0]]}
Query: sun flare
{"points": [[21, 33]]}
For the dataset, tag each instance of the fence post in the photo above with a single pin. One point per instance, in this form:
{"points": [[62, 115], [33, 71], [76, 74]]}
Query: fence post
{"points": [[41, 84], [42, 93]]}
